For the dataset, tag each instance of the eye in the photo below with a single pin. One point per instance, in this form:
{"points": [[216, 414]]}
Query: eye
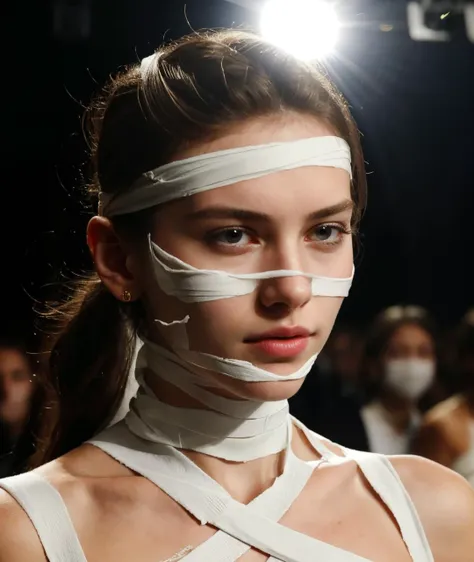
{"points": [[329, 233], [231, 237]]}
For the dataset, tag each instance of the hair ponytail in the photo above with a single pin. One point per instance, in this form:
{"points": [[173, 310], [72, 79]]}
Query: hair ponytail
{"points": [[87, 369]]}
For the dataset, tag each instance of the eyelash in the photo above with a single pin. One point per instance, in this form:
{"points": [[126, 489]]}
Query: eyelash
{"points": [[212, 237]]}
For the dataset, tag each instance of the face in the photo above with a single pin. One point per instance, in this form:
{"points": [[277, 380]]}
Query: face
{"points": [[410, 342], [293, 220], [15, 387]]}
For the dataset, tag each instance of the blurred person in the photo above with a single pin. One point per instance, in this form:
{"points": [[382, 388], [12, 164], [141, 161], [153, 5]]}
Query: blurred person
{"points": [[447, 433], [231, 180], [400, 367], [16, 390]]}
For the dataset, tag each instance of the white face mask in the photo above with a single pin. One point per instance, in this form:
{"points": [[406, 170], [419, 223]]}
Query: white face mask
{"points": [[410, 377]]}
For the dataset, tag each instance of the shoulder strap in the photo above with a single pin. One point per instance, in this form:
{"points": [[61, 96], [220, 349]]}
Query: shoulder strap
{"points": [[49, 515], [253, 525], [385, 481]]}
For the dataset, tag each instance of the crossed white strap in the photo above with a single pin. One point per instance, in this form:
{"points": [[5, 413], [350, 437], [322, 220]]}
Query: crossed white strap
{"points": [[240, 527]]}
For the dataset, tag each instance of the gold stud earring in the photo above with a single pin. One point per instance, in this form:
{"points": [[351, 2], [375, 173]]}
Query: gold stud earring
{"points": [[126, 296]]}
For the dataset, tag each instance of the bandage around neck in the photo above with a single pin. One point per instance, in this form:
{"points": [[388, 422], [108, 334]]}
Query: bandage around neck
{"points": [[183, 178], [234, 430]]}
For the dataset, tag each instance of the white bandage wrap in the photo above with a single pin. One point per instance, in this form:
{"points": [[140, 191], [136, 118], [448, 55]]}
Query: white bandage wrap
{"points": [[236, 430], [187, 177], [189, 284]]}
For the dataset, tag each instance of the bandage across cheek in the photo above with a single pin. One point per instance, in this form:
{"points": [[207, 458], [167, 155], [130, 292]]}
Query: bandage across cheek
{"points": [[191, 285]]}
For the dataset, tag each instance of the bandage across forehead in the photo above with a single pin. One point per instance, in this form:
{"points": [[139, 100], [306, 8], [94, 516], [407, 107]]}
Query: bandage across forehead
{"points": [[183, 178]]}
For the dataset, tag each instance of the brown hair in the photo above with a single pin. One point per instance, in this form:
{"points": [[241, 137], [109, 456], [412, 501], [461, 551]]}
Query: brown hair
{"points": [[194, 89]]}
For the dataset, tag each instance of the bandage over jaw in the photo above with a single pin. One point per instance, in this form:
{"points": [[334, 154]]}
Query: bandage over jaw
{"points": [[230, 429]]}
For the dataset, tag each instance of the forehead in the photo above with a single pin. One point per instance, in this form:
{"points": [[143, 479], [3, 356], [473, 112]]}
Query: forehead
{"points": [[11, 359], [305, 189], [411, 334]]}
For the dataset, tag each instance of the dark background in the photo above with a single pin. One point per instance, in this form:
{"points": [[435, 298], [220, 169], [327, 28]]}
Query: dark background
{"points": [[414, 103]]}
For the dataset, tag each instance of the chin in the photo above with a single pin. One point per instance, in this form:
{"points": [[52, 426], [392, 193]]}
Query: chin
{"points": [[265, 391]]}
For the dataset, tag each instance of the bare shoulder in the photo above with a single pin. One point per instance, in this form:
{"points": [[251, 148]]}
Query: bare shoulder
{"points": [[445, 412], [445, 504], [18, 538]]}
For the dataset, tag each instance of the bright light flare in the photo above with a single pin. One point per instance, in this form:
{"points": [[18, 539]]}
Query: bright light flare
{"points": [[308, 29]]}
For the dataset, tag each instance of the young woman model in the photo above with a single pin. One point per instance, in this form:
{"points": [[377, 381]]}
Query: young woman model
{"points": [[231, 180], [401, 361], [447, 432]]}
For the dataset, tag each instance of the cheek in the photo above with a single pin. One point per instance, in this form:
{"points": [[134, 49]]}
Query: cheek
{"points": [[20, 392], [220, 324], [325, 313]]}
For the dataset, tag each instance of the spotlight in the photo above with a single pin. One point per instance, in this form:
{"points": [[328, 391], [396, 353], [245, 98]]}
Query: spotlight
{"points": [[308, 29]]}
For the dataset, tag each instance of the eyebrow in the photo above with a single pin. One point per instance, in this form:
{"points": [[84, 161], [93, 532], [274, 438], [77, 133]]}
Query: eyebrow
{"points": [[245, 214]]}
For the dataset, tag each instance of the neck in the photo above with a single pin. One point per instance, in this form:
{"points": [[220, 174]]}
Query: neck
{"points": [[399, 409], [239, 443], [244, 480]]}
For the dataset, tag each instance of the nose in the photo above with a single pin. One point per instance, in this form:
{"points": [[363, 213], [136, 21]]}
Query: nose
{"points": [[285, 293]]}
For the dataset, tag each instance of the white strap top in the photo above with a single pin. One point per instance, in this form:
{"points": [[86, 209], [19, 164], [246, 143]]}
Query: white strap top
{"points": [[464, 464], [49, 515], [240, 526], [382, 436]]}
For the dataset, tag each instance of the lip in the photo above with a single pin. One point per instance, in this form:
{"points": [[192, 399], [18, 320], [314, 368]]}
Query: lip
{"points": [[289, 347], [283, 333]]}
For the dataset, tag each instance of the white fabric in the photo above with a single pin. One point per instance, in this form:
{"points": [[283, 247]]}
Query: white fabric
{"points": [[189, 284], [210, 504], [131, 387], [48, 514], [239, 526], [234, 430], [382, 436], [189, 176], [464, 464]]}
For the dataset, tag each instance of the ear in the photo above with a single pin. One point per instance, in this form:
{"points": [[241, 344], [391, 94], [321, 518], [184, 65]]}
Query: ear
{"points": [[111, 258]]}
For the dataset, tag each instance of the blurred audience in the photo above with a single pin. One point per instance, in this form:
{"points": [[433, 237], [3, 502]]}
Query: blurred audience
{"points": [[16, 391], [447, 432], [399, 368]]}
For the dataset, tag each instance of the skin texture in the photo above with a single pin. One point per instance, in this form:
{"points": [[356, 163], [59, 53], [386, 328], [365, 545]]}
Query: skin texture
{"points": [[338, 506], [444, 435]]}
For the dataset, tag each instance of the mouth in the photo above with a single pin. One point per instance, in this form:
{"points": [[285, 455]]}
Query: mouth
{"points": [[283, 333], [282, 342]]}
